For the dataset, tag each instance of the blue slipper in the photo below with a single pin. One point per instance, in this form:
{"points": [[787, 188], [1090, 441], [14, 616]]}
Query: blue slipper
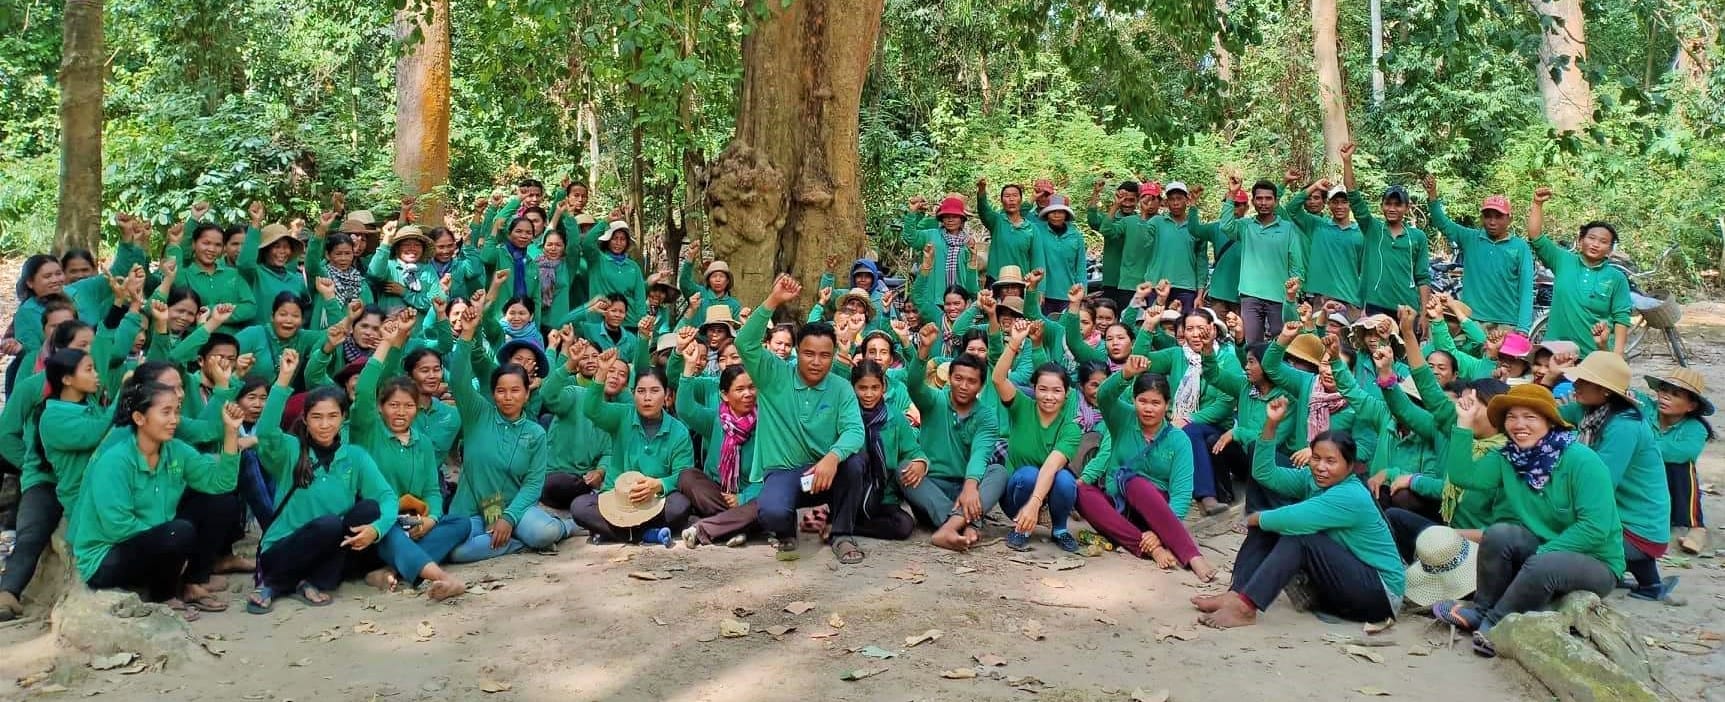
{"points": [[265, 594], [1655, 593], [1459, 615], [1018, 542]]}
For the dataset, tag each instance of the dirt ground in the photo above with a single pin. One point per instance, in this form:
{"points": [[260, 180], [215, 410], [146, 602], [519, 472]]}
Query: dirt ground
{"points": [[577, 625]]}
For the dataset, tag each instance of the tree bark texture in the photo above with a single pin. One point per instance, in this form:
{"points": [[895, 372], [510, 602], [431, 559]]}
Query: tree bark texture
{"points": [[422, 104], [78, 222], [1563, 88], [1331, 99], [785, 194]]}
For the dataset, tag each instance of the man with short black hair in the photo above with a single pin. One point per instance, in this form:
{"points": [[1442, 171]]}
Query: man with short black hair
{"points": [[1270, 255], [1395, 265]]}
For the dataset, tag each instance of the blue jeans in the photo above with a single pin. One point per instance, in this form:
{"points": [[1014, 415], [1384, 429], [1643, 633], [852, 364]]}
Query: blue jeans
{"points": [[1203, 473], [464, 539], [1060, 500], [256, 490]]}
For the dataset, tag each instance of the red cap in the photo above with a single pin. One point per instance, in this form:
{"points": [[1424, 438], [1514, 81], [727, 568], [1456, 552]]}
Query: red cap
{"points": [[1238, 196], [1150, 189], [1496, 203], [951, 206], [1043, 185]]}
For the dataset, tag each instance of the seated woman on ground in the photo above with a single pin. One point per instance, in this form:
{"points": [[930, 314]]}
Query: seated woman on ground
{"points": [[1682, 408], [1558, 531], [1137, 503], [1333, 534], [891, 458], [721, 495], [1041, 436], [645, 440]]}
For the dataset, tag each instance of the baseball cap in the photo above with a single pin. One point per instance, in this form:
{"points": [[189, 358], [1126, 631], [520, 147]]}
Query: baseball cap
{"points": [[1239, 196], [1150, 188], [1176, 185], [1336, 191], [1396, 192], [1496, 203]]}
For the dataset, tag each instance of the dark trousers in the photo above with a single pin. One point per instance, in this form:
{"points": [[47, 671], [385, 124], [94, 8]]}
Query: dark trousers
{"points": [[1261, 318], [889, 522], [585, 511], [1121, 296], [1515, 577], [875, 518], [782, 493], [255, 490], [219, 522], [1188, 299], [717, 520], [1204, 478], [154, 560], [1416, 503], [38, 515], [1643, 566], [1372, 309], [1342, 583], [313, 553], [1405, 528], [1685, 495], [1052, 307], [561, 489]]}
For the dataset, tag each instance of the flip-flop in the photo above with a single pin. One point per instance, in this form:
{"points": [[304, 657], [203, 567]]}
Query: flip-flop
{"points": [[1456, 614], [207, 603], [180, 608], [264, 593], [1657, 592], [300, 593], [848, 555], [1482, 645]]}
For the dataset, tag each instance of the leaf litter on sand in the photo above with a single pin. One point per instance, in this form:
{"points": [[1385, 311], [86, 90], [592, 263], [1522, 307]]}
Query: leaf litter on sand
{"points": [[1169, 631], [733, 629], [1033, 630], [930, 636], [1054, 583], [836, 621], [1363, 653], [959, 674], [494, 686], [861, 673], [424, 631], [114, 661], [989, 660], [876, 652], [779, 629], [1372, 691], [799, 607]]}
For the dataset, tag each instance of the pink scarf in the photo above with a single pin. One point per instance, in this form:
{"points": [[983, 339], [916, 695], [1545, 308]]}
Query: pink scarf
{"points": [[737, 431], [1321, 405]]}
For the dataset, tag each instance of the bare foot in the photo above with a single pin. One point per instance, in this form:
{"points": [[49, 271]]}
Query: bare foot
{"points": [[446, 588], [971, 535], [217, 583], [1201, 568], [1211, 603], [234, 564], [383, 579], [950, 539], [1234, 612], [1164, 558]]}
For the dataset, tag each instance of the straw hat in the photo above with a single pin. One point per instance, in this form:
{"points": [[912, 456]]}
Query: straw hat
{"points": [[1013, 304], [668, 341], [1556, 347], [1684, 379], [859, 295], [1446, 567], [410, 233], [942, 374], [720, 314], [1009, 275], [717, 267], [273, 233], [1532, 396], [1366, 326], [1605, 369], [585, 220], [1307, 348], [616, 508]]}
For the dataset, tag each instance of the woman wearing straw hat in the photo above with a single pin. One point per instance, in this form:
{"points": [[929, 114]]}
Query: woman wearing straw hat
{"points": [[1559, 531], [1333, 534], [648, 442], [714, 287], [611, 270], [1608, 420], [1682, 408], [334, 255], [398, 268], [1294, 362], [267, 259]]}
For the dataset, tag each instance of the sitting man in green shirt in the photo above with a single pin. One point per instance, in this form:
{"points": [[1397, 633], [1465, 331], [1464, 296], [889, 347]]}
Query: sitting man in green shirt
{"points": [[809, 424]]}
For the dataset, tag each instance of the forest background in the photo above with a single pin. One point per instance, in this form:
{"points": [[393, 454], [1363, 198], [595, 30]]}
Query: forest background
{"points": [[286, 101]]}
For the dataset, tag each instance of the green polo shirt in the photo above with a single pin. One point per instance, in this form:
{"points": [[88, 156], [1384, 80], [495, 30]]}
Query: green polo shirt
{"points": [[1269, 256], [124, 495], [1029, 442], [1574, 513], [958, 447], [1165, 460], [1009, 244], [577, 445], [1581, 295], [409, 467], [702, 417], [1337, 250], [350, 476], [70, 433], [1630, 451], [1180, 251], [1392, 268], [1345, 512], [503, 466], [1499, 273], [223, 285], [1063, 256], [799, 423], [663, 455], [1113, 242]]}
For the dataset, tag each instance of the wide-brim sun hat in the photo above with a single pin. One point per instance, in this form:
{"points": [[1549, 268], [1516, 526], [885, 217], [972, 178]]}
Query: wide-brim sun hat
{"points": [[1684, 379], [1368, 325], [539, 357], [859, 295], [273, 233], [721, 315], [1056, 203], [1009, 275], [1556, 346], [612, 229], [618, 511], [1531, 396], [1308, 348], [410, 233], [1012, 304], [716, 267], [1446, 567], [951, 207], [667, 342], [1605, 369]]}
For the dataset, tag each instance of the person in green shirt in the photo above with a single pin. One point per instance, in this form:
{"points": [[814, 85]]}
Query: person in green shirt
{"points": [[890, 450], [809, 425], [720, 494], [1557, 529], [269, 258], [1395, 263], [1587, 289], [1498, 267], [960, 482], [1334, 535], [578, 447], [1042, 438], [1152, 478], [714, 286], [1270, 255], [1012, 236], [1179, 247], [139, 522], [1063, 252], [1336, 241], [1114, 239], [951, 257], [1678, 411], [214, 282], [646, 440], [611, 270]]}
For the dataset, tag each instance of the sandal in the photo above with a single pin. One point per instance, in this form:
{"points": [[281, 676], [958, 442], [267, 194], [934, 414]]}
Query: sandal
{"points": [[1456, 614], [308, 593], [207, 603], [180, 608], [1482, 645], [847, 551], [261, 601]]}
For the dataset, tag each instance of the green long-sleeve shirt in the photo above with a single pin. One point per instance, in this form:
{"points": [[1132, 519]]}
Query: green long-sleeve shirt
{"points": [[664, 455], [1499, 274], [266, 348], [577, 445], [1345, 512], [689, 286], [1681, 442], [124, 495], [1134, 237], [70, 433], [349, 477], [1270, 255], [1392, 268], [410, 467], [223, 285], [1009, 244], [609, 273], [1574, 513], [1179, 251], [799, 423], [1581, 295], [268, 281], [1298, 386], [1224, 282], [702, 417], [957, 446], [1063, 257], [1165, 460], [503, 467], [1631, 456], [1334, 252], [1113, 241]]}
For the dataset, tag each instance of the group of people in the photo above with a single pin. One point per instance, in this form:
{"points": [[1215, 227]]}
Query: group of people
{"points": [[380, 401]]}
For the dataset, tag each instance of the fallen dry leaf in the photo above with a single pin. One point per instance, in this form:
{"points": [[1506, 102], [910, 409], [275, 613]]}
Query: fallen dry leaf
{"points": [[365, 627], [779, 629], [1372, 691], [660, 622], [907, 576], [799, 607], [301, 663], [989, 660], [1143, 695], [134, 670], [646, 575], [741, 612], [112, 662], [424, 631], [494, 686], [823, 634], [1380, 627], [835, 621], [622, 556], [1365, 653], [1027, 683], [733, 629], [958, 673], [1069, 564], [1419, 651], [1106, 620], [963, 570], [1055, 583], [1033, 630], [930, 636], [876, 652], [861, 673]]}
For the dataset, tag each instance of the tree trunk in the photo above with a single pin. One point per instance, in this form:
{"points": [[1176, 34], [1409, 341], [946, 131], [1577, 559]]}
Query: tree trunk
{"points": [[422, 104], [79, 220], [1562, 87], [1224, 58], [1694, 62], [1331, 99], [785, 194]]}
